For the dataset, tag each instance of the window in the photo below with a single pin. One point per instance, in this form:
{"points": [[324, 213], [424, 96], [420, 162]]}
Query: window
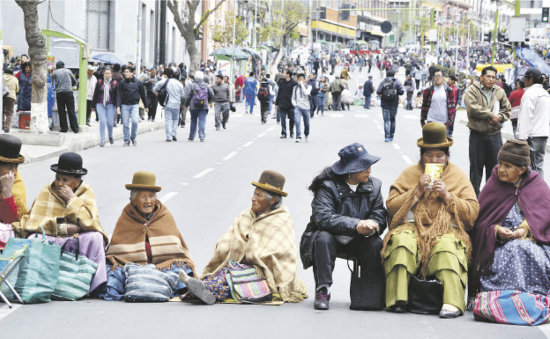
{"points": [[97, 23]]}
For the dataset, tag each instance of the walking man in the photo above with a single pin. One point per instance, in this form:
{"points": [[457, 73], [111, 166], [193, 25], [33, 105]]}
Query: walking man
{"points": [[438, 103], [389, 90], [250, 87], [336, 89], [533, 118], [314, 84], [130, 90], [174, 96], [300, 101], [283, 103], [198, 97], [64, 81], [149, 83], [221, 101], [368, 89], [488, 108]]}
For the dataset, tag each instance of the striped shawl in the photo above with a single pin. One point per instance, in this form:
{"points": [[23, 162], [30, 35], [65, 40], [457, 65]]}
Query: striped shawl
{"points": [[266, 241], [167, 245]]}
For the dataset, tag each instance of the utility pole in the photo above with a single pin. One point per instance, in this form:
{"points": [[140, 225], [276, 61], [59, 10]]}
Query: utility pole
{"points": [[494, 37], [162, 33], [254, 30]]}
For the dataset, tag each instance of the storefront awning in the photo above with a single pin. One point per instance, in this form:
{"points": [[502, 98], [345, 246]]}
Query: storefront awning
{"points": [[335, 29]]}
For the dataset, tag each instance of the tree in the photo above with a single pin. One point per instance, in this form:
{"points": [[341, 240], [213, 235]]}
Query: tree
{"points": [[37, 53], [283, 27], [188, 27], [223, 34]]}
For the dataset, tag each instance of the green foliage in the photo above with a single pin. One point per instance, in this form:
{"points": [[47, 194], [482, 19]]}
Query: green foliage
{"points": [[223, 33], [283, 24]]}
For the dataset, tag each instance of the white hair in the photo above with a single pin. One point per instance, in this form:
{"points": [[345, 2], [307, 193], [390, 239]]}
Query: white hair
{"points": [[199, 75]]}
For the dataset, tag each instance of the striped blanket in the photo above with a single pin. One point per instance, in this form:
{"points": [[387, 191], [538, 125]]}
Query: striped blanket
{"points": [[512, 307]]}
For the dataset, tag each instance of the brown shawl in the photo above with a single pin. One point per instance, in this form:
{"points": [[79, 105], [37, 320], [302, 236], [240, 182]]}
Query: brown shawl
{"points": [[432, 216], [128, 241]]}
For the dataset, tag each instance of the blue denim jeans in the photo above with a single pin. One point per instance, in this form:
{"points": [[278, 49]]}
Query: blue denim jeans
{"points": [[389, 115], [298, 114], [321, 101], [250, 101], [171, 119], [199, 115], [283, 115], [367, 101], [270, 103], [130, 112], [106, 118]]}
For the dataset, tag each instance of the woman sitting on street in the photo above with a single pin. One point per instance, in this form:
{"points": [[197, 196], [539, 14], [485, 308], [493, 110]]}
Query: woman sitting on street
{"points": [[428, 223]]}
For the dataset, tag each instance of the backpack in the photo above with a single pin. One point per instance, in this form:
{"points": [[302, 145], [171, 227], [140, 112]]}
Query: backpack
{"points": [[163, 93], [389, 93], [263, 94], [200, 96]]}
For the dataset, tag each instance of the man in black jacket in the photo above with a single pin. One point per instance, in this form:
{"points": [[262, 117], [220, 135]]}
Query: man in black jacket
{"points": [[368, 89], [283, 103], [130, 90]]}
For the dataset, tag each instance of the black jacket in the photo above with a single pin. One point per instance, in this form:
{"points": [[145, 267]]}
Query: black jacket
{"points": [[337, 209], [284, 96], [129, 92], [368, 88]]}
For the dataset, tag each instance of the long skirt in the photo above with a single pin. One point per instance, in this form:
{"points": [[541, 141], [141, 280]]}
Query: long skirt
{"points": [[92, 245], [519, 265], [448, 263]]}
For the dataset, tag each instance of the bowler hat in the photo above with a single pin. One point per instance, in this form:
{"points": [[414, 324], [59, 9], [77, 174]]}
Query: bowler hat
{"points": [[353, 158], [434, 135], [144, 181], [69, 163], [10, 147], [271, 181]]}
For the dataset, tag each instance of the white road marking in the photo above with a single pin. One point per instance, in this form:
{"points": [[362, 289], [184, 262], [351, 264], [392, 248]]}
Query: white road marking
{"points": [[407, 160], [184, 184], [396, 146], [337, 115], [168, 196], [248, 144], [271, 129], [203, 173], [230, 155], [218, 163], [364, 116], [4, 310], [237, 115], [410, 117], [239, 148], [261, 135]]}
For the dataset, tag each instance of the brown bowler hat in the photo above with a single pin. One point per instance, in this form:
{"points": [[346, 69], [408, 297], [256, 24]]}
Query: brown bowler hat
{"points": [[434, 135], [144, 181], [271, 181]]}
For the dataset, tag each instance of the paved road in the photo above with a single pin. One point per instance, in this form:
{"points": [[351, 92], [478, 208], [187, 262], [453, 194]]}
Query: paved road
{"points": [[206, 185]]}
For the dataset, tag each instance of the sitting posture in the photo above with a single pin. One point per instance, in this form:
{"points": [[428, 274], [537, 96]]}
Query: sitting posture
{"points": [[428, 223], [146, 233], [348, 215], [262, 235], [13, 200], [66, 208]]}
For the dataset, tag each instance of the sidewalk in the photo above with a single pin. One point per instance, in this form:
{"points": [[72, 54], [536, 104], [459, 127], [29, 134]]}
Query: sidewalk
{"points": [[37, 147]]}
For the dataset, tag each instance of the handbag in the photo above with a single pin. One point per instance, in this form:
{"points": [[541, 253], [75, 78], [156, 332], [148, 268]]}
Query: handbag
{"points": [[246, 284], [75, 274], [512, 307], [367, 291], [232, 107], [425, 296], [38, 271]]}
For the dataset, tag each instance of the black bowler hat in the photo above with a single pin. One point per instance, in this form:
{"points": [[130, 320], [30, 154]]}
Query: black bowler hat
{"points": [[10, 148], [69, 163], [354, 158]]}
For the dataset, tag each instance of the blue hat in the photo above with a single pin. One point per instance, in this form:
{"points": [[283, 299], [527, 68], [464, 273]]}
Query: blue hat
{"points": [[353, 158]]}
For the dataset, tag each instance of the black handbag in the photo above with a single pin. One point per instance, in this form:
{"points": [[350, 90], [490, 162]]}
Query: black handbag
{"points": [[367, 291], [425, 296]]}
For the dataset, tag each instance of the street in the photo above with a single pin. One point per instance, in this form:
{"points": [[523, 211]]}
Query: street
{"points": [[205, 185]]}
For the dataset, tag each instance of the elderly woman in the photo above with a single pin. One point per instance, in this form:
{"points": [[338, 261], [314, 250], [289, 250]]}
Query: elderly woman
{"points": [[428, 223], [262, 235], [146, 233], [13, 200], [511, 239], [348, 215], [65, 208]]}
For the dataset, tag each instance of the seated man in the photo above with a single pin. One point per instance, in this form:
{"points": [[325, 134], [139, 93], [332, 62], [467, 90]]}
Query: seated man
{"points": [[262, 235], [145, 233], [13, 200], [67, 207]]}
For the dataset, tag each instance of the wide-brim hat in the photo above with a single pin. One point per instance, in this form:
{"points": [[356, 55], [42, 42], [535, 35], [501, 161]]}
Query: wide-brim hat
{"points": [[434, 135], [271, 181], [10, 148], [353, 158], [69, 163], [144, 181]]}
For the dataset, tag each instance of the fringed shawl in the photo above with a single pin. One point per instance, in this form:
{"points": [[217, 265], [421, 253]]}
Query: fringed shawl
{"points": [[167, 245], [266, 241], [432, 217]]}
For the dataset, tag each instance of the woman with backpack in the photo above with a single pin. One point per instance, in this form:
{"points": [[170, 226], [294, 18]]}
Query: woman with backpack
{"points": [[104, 103], [264, 93]]}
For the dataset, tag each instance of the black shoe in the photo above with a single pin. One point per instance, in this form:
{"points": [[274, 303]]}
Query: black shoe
{"points": [[190, 139], [283, 137], [397, 308], [127, 143], [168, 140], [223, 125], [111, 141], [174, 138], [134, 141], [322, 300], [444, 314], [291, 135]]}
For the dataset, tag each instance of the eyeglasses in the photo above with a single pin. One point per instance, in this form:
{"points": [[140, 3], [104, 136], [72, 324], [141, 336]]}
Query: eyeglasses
{"points": [[438, 76]]}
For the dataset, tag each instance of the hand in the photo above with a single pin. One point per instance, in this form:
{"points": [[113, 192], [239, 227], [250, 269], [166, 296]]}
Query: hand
{"points": [[72, 229], [504, 233], [519, 233], [423, 183], [118, 110], [373, 225], [362, 227], [440, 187], [6, 184], [65, 192], [495, 119]]}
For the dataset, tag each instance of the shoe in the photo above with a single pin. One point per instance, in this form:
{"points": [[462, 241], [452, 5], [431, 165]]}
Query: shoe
{"points": [[223, 125], [63, 131], [306, 138], [89, 124], [168, 140], [134, 141], [217, 128], [102, 144], [397, 308], [291, 135], [282, 137], [386, 139], [111, 140], [197, 288], [127, 143], [445, 313], [202, 140], [190, 139], [298, 140], [174, 138], [322, 300]]}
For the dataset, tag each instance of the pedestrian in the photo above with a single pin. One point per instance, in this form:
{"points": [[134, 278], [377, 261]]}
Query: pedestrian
{"points": [[239, 84], [314, 84], [389, 91], [25, 87], [452, 83], [250, 92], [64, 81], [197, 99], [409, 88], [273, 89], [515, 102], [533, 118], [488, 108], [8, 103], [322, 96], [174, 97], [130, 90], [300, 101], [438, 103], [232, 100], [221, 101], [332, 63], [283, 103], [149, 83], [264, 93], [336, 89], [103, 102], [92, 81], [417, 76], [368, 89]]}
